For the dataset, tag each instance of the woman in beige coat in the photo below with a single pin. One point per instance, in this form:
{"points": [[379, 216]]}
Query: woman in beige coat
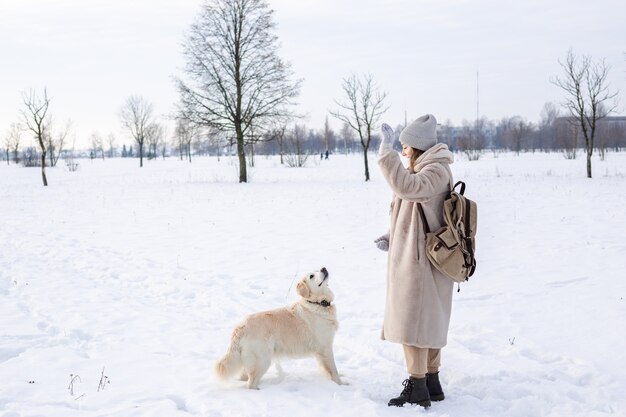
{"points": [[419, 297]]}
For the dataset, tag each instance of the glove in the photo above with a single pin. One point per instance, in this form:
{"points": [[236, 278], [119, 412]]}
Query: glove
{"points": [[388, 138], [382, 242]]}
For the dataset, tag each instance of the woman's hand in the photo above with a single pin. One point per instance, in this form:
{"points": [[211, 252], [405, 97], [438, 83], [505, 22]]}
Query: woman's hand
{"points": [[382, 243], [388, 138]]}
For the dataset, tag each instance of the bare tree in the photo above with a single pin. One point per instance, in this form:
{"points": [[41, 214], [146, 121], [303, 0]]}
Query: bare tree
{"points": [[12, 141], [55, 142], [236, 78], [329, 136], [518, 132], [154, 137], [111, 143], [136, 117], [296, 152], [566, 137], [36, 119], [547, 127], [604, 133], [471, 141], [348, 137], [277, 133], [217, 140], [70, 158], [588, 97], [445, 134], [178, 142], [95, 140], [7, 147], [361, 110], [184, 133]]}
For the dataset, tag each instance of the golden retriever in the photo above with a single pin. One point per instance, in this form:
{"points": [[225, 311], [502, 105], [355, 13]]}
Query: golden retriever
{"points": [[305, 328]]}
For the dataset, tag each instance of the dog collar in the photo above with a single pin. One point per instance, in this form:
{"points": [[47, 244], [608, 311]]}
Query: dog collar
{"points": [[323, 303]]}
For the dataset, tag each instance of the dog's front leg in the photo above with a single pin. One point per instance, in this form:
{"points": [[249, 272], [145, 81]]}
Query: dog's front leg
{"points": [[326, 361]]}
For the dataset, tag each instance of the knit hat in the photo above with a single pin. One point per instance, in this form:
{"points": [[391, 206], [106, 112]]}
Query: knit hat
{"points": [[421, 134]]}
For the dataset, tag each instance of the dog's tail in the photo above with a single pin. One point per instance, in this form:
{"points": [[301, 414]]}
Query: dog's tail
{"points": [[231, 363]]}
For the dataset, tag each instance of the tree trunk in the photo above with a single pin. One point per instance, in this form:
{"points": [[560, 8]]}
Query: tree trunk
{"points": [[43, 168], [140, 154], [589, 152], [367, 169], [43, 159], [243, 174]]}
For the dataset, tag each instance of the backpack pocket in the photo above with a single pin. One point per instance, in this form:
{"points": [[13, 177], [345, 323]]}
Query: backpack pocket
{"points": [[445, 254]]}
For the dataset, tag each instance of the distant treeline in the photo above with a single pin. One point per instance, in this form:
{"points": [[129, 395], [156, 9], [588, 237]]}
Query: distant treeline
{"points": [[514, 134]]}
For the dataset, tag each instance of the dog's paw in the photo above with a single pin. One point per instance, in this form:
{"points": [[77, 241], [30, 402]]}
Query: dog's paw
{"points": [[339, 381]]}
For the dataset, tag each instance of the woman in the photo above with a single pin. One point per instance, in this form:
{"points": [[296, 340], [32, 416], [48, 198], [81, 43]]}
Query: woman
{"points": [[419, 297]]}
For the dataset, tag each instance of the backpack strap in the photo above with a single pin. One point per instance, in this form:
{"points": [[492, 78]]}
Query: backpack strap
{"points": [[424, 222], [472, 264], [462, 190]]}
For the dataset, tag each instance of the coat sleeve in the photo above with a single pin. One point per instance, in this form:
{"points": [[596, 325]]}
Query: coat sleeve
{"points": [[419, 187]]}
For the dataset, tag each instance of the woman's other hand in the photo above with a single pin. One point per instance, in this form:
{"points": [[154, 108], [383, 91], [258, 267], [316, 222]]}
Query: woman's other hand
{"points": [[382, 243], [386, 144]]}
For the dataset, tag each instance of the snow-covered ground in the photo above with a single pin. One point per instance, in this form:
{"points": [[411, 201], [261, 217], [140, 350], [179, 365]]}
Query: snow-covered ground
{"points": [[143, 273]]}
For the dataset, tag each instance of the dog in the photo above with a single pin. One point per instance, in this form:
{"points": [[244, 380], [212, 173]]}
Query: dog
{"points": [[305, 328]]}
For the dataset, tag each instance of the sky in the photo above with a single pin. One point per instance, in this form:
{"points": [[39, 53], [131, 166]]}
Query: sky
{"points": [[449, 58]]}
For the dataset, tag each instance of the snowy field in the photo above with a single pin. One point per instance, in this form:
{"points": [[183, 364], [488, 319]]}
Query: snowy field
{"points": [[144, 273]]}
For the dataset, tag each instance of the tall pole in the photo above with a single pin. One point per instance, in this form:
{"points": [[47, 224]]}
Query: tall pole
{"points": [[477, 103], [405, 114]]}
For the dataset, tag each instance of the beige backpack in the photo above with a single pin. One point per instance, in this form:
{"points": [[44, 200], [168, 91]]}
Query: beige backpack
{"points": [[451, 248]]}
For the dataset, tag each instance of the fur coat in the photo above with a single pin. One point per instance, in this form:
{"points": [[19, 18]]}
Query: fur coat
{"points": [[419, 298]]}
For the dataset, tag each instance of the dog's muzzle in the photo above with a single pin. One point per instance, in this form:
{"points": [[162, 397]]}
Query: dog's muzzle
{"points": [[325, 272]]}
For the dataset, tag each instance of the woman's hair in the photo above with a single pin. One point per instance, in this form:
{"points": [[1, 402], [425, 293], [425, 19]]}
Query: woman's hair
{"points": [[416, 154]]}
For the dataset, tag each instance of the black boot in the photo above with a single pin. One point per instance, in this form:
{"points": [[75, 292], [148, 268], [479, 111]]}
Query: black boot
{"points": [[414, 392], [434, 387]]}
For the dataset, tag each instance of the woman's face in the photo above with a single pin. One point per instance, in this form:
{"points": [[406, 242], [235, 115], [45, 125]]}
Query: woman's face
{"points": [[407, 151]]}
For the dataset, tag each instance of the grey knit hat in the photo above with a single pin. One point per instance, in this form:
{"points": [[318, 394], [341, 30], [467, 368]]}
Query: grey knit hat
{"points": [[421, 134]]}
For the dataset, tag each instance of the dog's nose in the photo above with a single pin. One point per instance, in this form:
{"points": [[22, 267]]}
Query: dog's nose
{"points": [[324, 271]]}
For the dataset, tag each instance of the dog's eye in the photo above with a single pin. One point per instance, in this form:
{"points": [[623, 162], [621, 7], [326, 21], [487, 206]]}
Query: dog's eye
{"points": [[311, 276]]}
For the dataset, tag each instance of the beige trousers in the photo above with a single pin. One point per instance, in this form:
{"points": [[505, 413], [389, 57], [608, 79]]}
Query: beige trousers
{"points": [[420, 361]]}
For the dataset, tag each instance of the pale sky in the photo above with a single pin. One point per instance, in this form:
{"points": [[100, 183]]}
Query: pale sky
{"points": [[92, 54]]}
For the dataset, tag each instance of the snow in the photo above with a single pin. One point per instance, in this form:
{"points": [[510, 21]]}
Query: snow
{"points": [[140, 275]]}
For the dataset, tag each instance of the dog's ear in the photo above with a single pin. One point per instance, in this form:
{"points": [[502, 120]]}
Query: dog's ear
{"points": [[303, 290]]}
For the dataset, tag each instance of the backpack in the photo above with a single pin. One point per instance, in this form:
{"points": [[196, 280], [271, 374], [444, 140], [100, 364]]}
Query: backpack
{"points": [[451, 248]]}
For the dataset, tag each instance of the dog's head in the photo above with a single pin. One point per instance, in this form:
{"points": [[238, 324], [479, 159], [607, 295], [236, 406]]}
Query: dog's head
{"points": [[314, 286]]}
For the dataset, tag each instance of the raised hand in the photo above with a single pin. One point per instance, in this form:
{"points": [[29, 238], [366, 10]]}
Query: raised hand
{"points": [[386, 144]]}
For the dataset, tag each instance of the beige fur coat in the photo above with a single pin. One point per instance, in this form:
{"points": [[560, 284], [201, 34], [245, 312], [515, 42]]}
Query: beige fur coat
{"points": [[419, 297]]}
